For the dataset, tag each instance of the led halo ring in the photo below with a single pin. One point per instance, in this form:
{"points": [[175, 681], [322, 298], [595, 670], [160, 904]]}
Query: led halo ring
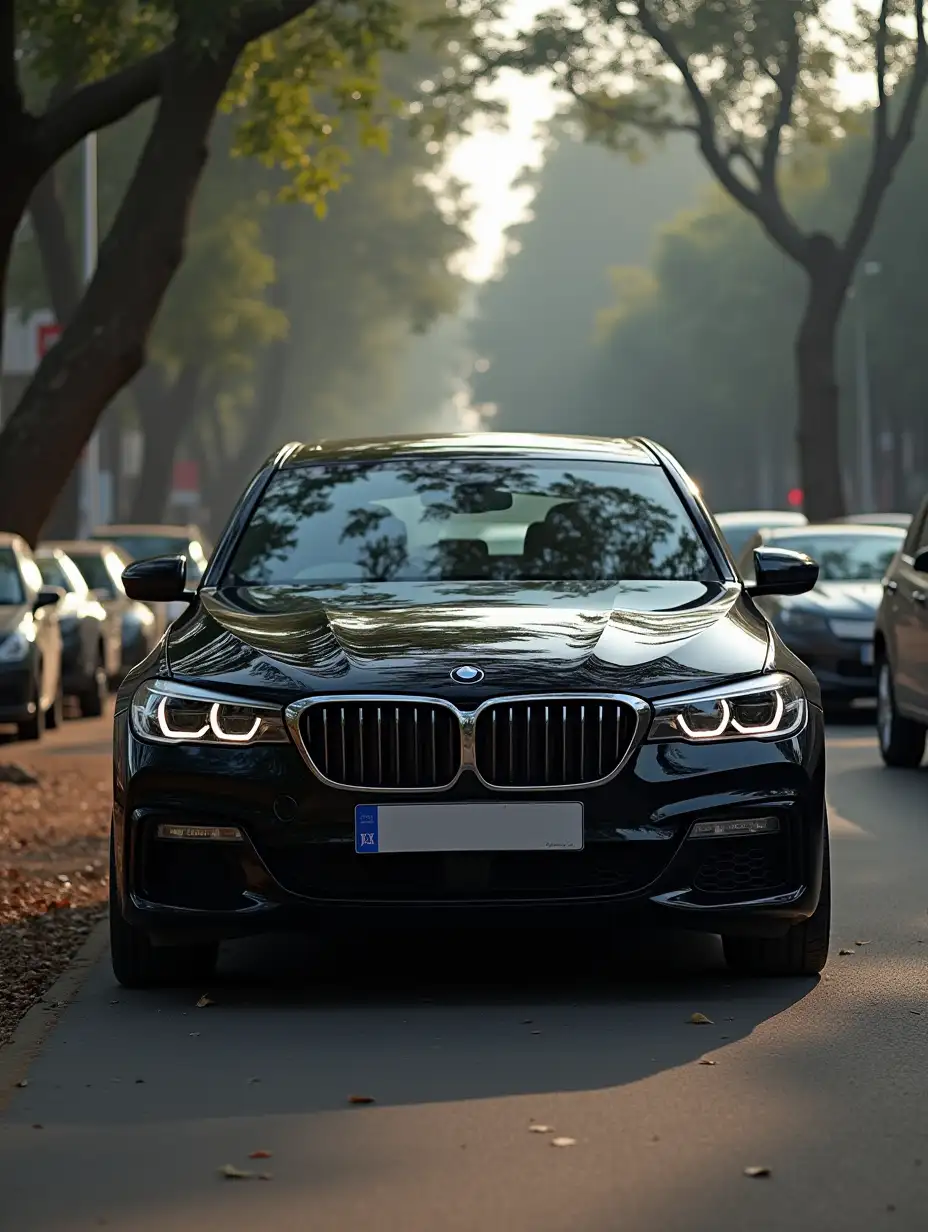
{"points": [[170, 732], [228, 737], [765, 728], [706, 735]]}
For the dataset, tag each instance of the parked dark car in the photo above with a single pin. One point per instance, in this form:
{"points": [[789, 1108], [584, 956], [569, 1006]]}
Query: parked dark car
{"points": [[739, 527], [138, 541], [101, 566], [91, 639], [831, 627], [901, 650], [30, 643], [481, 677]]}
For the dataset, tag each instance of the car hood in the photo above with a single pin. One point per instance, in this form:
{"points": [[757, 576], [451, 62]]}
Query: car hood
{"points": [[849, 599], [11, 617], [651, 638]]}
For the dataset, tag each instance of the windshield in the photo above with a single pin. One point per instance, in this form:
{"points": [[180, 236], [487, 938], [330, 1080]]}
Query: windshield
{"points": [[140, 546], [469, 519], [11, 586], [95, 573], [846, 558], [52, 573]]}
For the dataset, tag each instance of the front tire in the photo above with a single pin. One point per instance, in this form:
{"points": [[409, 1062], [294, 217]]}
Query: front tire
{"points": [[139, 964], [33, 728], [803, 950], [93, 699], [902, 740]]}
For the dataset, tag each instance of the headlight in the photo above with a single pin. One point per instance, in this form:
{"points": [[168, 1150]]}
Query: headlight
{"points": [[796, 620], [768, 708], [14, 647], [174, 714]]}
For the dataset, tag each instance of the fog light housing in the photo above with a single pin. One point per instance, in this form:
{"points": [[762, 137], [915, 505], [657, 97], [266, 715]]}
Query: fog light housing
{"points": [[741, 827], [209, 834]]}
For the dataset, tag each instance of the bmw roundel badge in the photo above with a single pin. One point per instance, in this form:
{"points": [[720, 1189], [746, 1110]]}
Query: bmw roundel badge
{"points": [[467, 675]]}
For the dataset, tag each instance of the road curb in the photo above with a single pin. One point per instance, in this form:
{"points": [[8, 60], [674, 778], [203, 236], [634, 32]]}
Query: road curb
{"points": [[38, 1022]]}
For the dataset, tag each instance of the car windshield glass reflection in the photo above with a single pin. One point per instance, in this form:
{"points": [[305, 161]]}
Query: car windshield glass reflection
{"points": [[52, 573], [469, 519], [845, 558], [11, 587], [95, 573]]}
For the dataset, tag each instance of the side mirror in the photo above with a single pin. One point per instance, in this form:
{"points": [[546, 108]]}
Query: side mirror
{"points": [[157, 579], [48, 596], [778, 571], [920, 563]]}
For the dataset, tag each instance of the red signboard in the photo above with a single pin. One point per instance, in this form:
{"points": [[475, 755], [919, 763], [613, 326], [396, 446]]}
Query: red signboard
{"points": [[186, 477], [47, 336]]}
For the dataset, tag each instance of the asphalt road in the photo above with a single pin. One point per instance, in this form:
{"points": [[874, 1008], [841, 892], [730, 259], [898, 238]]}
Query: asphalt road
{"points": [[463, 1042]]}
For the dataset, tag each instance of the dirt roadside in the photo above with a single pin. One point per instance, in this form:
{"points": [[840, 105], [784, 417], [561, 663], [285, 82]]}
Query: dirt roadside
{"points": [[53, 859]]}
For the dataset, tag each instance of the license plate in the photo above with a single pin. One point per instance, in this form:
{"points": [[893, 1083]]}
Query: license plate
{"points": [[502, 826], [866, 654]]}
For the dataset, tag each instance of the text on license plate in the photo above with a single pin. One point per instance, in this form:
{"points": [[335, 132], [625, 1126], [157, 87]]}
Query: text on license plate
{"points": [[496, 826]]}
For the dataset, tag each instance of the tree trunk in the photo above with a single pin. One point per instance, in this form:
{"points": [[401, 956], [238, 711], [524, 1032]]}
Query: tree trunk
{"points": [[64, 290], [104, 346], [165, 412], [819, 426]]}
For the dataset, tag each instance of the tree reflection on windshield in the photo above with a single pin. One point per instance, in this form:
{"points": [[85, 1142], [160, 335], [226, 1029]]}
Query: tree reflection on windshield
{"points": [[469, 519]]}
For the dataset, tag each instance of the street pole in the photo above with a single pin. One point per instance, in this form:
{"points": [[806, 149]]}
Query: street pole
{"points": [[90, 468], [864, 403]]}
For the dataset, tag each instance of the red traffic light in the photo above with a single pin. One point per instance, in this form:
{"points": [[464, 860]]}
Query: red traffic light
{"points": [[794, 497]]}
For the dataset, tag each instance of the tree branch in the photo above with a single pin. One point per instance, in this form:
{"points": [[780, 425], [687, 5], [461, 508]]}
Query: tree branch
{"points": [[888, 149], [785, 81], [880, 118], [98, 105], [257, 17], [656, 126], [765, 204]]}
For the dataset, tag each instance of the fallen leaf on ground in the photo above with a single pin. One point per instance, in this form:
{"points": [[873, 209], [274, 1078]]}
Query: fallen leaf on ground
{"points": [[757, 1170], [699, 1020], [361, 1099], [861, 942], [231, 1173], [541, 1129], [706, 1061], [204, 1001], [260, 1155], [563, 1141], [845, 953]]}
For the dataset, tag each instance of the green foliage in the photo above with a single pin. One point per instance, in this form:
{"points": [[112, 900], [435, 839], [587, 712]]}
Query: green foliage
{"points": [[697, 349], [536, 322]]}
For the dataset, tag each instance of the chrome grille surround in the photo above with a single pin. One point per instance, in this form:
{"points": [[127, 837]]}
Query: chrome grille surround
{"points": [[632, 712]]}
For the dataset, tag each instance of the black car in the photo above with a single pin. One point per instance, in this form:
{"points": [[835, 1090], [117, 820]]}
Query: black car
{"points": [[477, 677], [30, 643], [90, 638], [901, 650], [101, 566], [831, 627]]}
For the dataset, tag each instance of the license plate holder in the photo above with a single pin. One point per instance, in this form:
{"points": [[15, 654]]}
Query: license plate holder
{"points": [[486, 826]]}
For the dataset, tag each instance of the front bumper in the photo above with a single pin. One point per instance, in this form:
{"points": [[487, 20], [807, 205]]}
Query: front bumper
{"points": [[297, 863]]}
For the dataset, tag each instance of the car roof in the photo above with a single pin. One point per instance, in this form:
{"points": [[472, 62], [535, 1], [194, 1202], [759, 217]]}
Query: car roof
{"points": [[762, 517], [525, 444], [878, 519], [69, 546], [9, 540], [826, 529], [146, 528]]}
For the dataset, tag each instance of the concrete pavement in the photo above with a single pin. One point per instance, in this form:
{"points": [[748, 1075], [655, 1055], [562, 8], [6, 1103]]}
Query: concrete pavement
{"points": [[142, 1097]]}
